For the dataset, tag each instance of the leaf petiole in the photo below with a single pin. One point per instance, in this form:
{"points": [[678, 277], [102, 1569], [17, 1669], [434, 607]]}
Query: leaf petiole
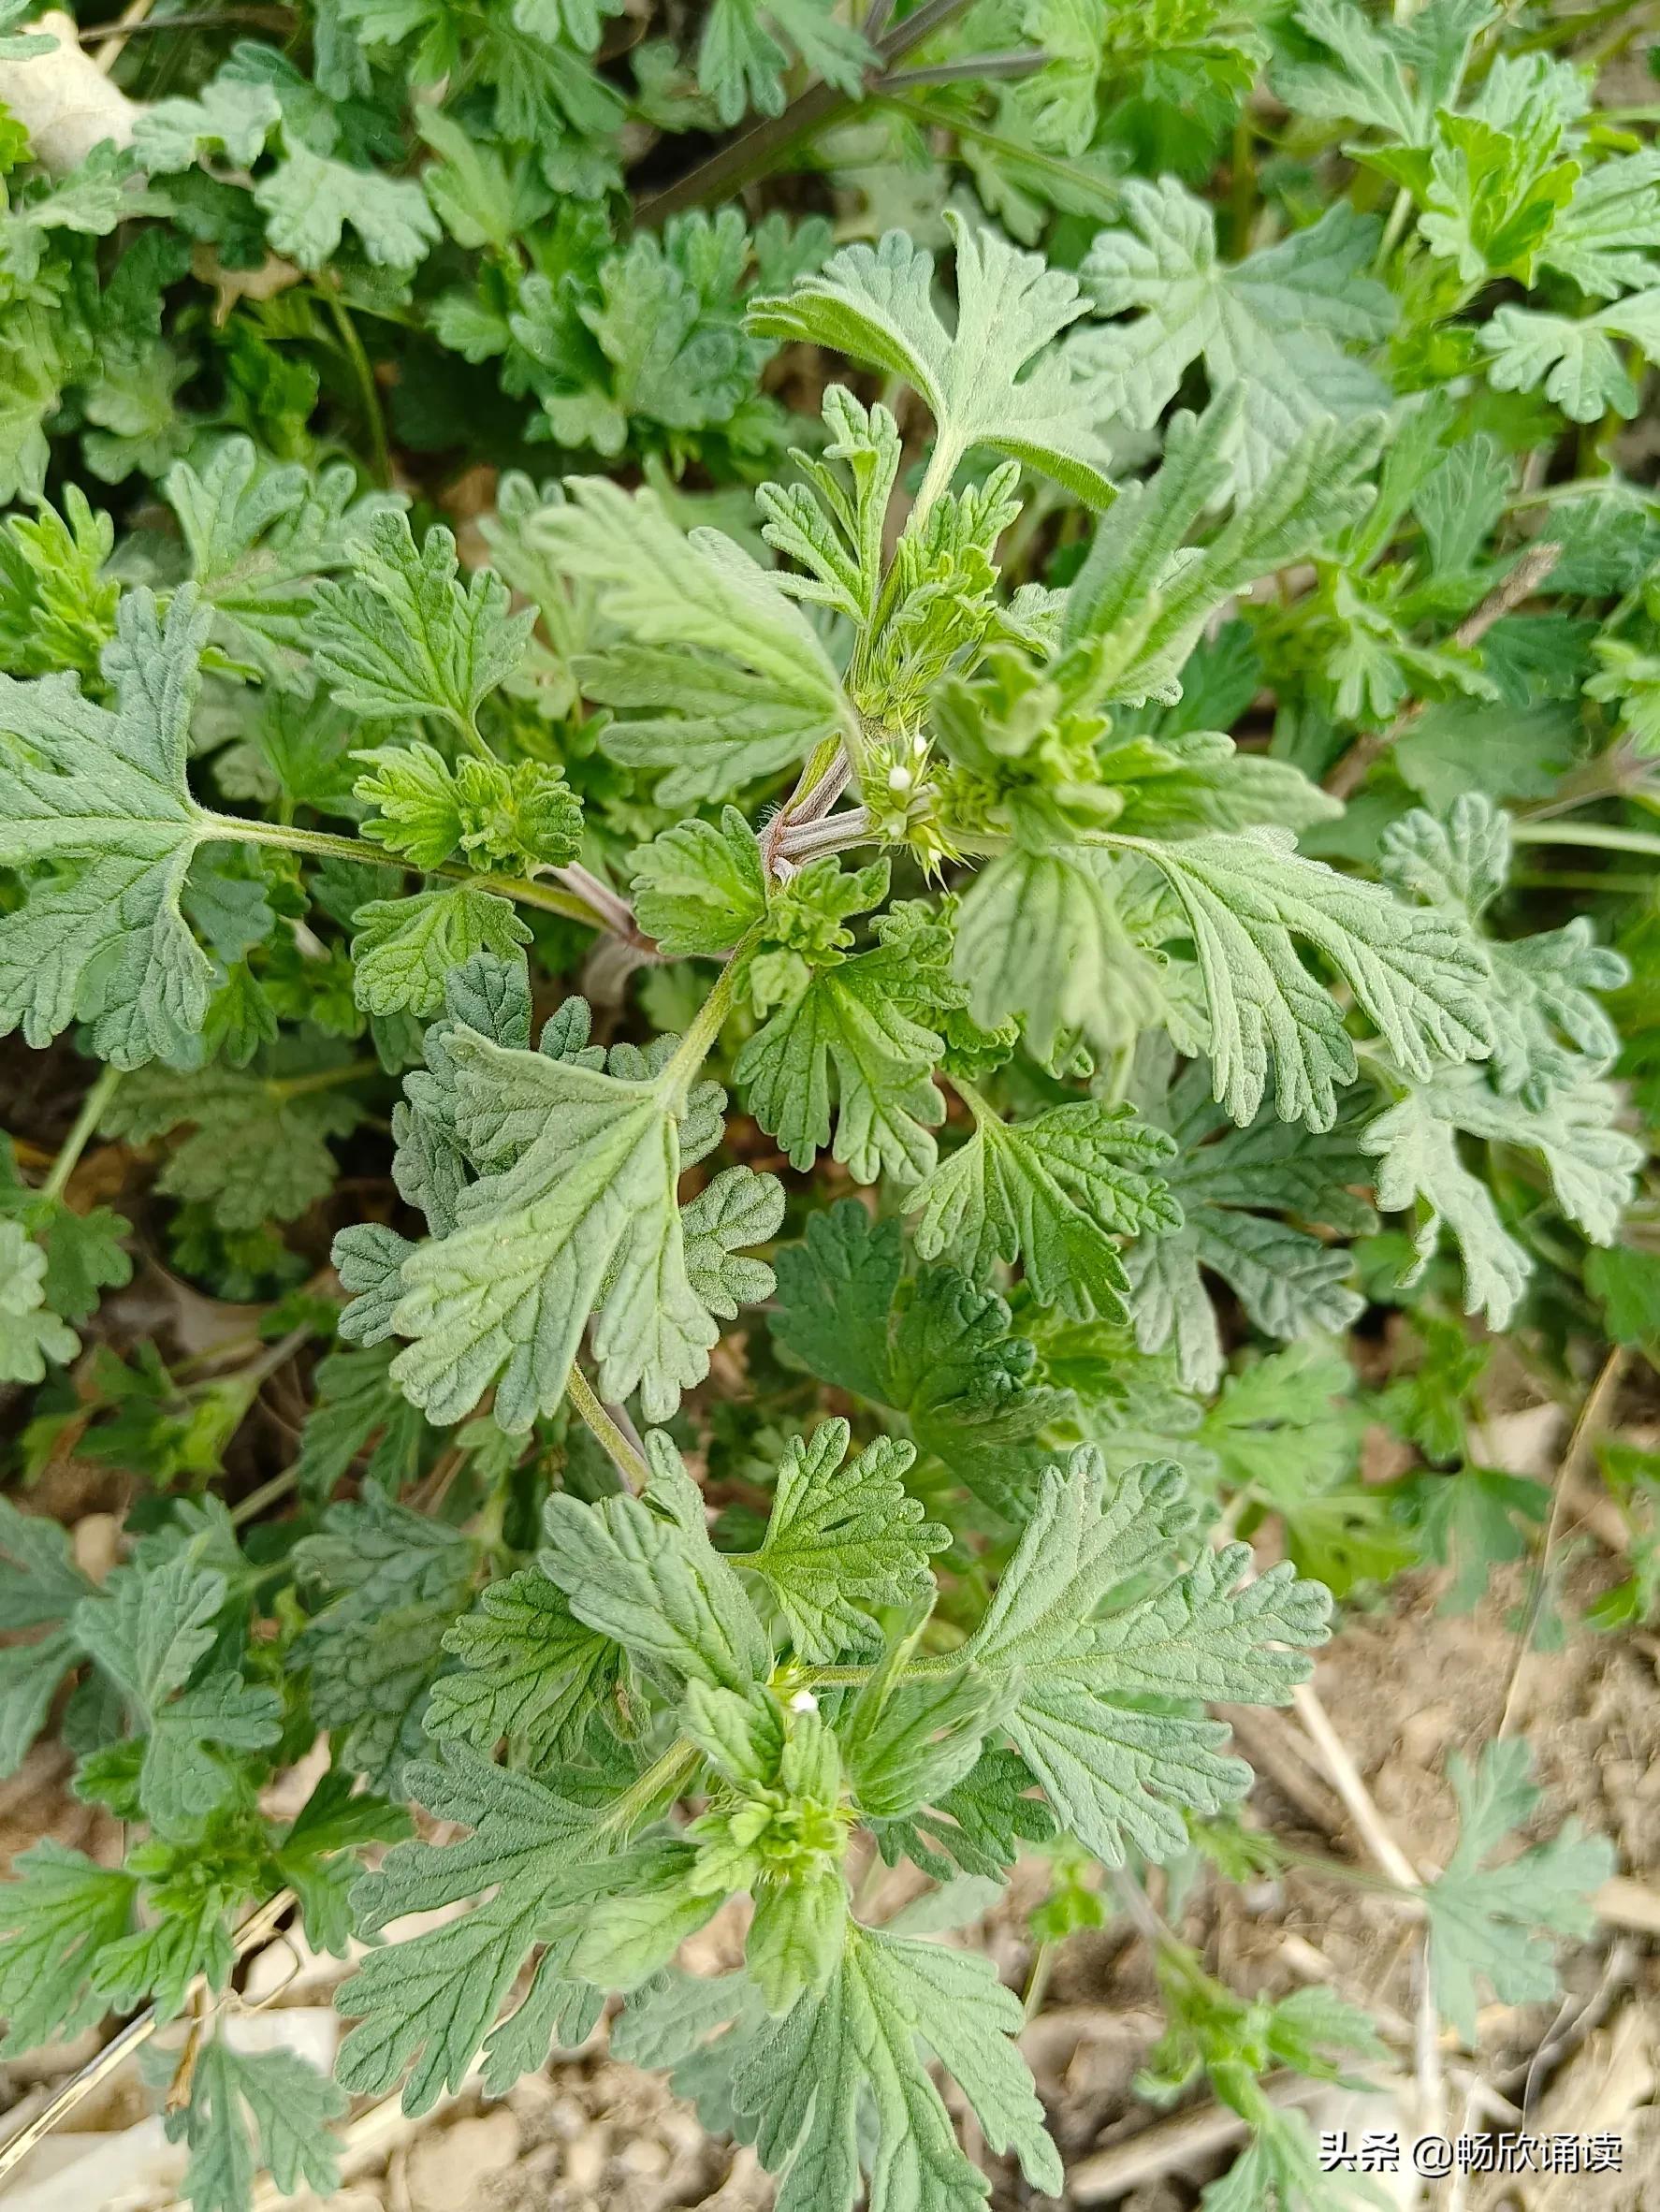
{"points": [[616, 1446], [85, 1123]]}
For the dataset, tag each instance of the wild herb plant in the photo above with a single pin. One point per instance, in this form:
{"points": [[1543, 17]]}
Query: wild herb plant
{"points": [[876, 1065]]}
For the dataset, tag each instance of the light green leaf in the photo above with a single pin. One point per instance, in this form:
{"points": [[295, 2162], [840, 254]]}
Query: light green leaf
{"points": [[480, 200], [1494, 185], [1234, 1187], [1393, 76], [725, 679], [1579, 364], [1493, 1925], [643, 1572], [741, 63], [699, 887], [224, 118], [431, 1999], [800, 2082], [574, 1214], [1051, 1192], [1548, 1029], [1116, 1774], [627, 1938], [368, 1259], [852, 1022], [40, 1586], [1040, 937], [948, 1359], [405, 946], [842, 1538], [259, 537], [736, 1209], [400, 636], [1603, 236], [250, 2109], [1276, 323], [512, 819], [530, 1671], [1591, 1161], [1418, 975], [147, 1629], [57, 1913], [795, 1938], [30, 1332], [1138, 606], [999, 380], [308, 201]]}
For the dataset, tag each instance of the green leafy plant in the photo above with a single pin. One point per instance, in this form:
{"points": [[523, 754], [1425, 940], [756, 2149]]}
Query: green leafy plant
{"points": [[811, 943]]}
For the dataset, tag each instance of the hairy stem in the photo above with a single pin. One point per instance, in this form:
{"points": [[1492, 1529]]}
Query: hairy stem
{"points": [[941, 468], [368, 397], [677, 1764], [835, 834], [1598, 836], [624, 1456], [207, 19], [75, 1143], [975, 69], [612, 908], [818, 787], [693, 1048], [239, 830]]}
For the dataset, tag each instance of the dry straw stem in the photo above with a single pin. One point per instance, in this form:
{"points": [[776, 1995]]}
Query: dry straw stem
{"points": [[138, 2032]]}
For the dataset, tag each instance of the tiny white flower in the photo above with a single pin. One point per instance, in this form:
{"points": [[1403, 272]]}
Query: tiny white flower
{"points": [[804, 1701]]}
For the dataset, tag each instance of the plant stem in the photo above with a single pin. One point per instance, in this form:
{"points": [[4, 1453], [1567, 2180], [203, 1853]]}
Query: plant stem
{"points": [[623, 1455], [752, 154], [1037, 1977], [254, 1504], [207, 19], [821, 783], [75, 1143], [1347, 1780], [1613, 883], [367, 391], [610, 906], [237, 829], [976, 69], [1589, 1423], [322, 1079], [693, 1048], [1600, 837], [678, 1763], [280, 1354], [941, 468], [834, 834]]}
